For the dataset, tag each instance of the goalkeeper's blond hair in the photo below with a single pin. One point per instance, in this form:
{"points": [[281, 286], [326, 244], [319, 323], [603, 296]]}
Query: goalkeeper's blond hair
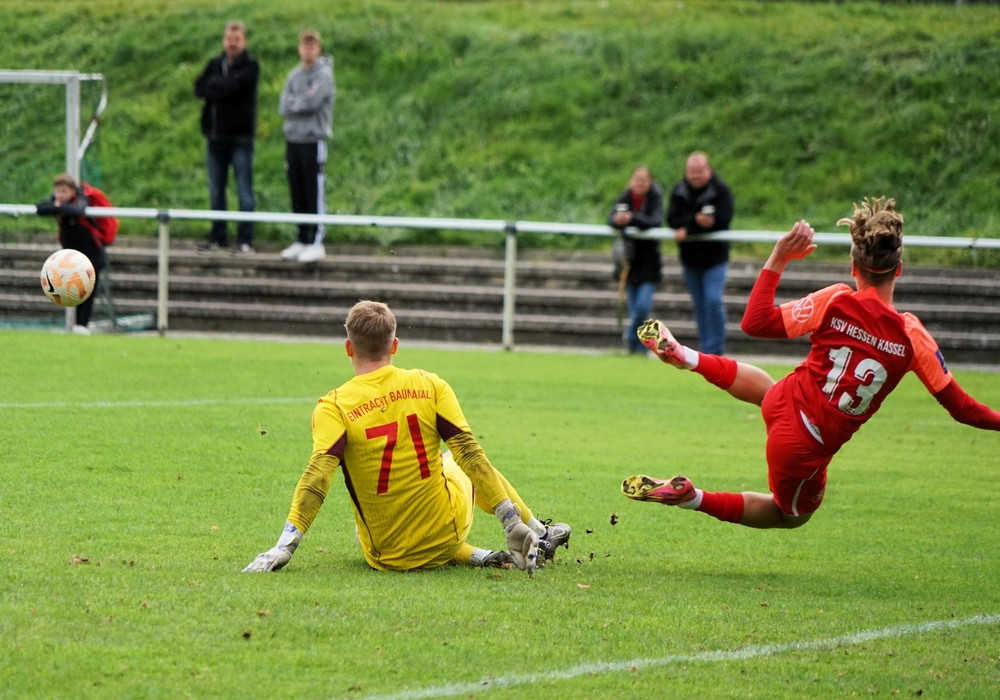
{"points": [[371, 327], [876, 238]]}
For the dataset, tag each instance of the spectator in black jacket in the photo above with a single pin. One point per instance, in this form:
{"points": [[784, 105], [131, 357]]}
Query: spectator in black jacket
{"points": [[229, 122], [702, 203], [640, 206]]}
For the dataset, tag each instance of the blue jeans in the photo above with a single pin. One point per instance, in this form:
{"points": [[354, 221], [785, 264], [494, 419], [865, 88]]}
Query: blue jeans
{"points": [[220, 155], [640, 304], [705, 287]]}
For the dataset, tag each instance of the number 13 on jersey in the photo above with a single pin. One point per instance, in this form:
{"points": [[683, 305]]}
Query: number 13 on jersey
{"points": [[867, 378]]}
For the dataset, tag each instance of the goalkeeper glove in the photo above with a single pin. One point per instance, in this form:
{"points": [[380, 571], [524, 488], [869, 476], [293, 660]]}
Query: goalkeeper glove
{"points": [[521, 539], [280, 554]]}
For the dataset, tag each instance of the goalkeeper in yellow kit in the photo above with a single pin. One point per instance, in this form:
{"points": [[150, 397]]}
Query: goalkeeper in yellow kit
{"points": [[412, 503]]}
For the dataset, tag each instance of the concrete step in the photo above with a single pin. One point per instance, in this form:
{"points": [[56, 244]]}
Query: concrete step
{"points": [[457, 295]]}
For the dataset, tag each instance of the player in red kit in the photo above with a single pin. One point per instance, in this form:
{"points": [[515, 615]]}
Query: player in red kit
{"points": [[861, 348]]}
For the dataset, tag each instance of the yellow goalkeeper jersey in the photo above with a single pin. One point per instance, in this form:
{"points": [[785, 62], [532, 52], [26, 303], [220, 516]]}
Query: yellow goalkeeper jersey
{"points": [[385, 429]]}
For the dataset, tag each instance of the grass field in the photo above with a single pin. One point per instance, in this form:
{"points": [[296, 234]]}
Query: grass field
{"points": [[140, 474]]}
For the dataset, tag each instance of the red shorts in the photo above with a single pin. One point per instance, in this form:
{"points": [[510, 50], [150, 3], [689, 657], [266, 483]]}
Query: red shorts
{"points": [[796, 461]]}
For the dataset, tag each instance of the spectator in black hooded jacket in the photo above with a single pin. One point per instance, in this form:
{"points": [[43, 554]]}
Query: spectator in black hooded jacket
{"points": [[702, 203], [229, 122]]}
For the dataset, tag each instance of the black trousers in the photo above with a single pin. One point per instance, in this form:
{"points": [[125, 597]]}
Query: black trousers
{"points": [[305, 166], [74, 235]]}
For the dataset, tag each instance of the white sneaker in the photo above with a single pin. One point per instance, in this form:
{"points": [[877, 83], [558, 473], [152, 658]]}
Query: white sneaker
{"points": [[312, 253], [292, 251], [81, 330]]}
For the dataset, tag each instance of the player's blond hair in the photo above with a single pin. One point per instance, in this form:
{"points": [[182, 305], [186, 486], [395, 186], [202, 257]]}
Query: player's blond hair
{"points": [[876, 238], [371, 327]]}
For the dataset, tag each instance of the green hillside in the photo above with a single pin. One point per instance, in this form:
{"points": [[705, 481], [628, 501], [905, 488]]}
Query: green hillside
{"points": [[539, 110]]}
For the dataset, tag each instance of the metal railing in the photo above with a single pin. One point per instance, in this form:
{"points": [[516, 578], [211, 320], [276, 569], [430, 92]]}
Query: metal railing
{"points": [[510, 229]]}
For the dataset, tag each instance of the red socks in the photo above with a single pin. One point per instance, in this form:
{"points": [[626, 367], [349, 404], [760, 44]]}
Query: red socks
{"points": [[727, 507], [718, 370]]}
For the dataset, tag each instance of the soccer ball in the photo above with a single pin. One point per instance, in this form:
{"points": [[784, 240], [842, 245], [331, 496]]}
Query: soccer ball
{"points": [[68, 277]]}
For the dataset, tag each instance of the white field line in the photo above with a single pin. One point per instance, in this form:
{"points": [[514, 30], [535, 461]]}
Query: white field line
{"points": [[750, 652], [157, 404]]}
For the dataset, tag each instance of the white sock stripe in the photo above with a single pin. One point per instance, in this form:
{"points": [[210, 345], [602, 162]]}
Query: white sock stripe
{"points": [[321, 154], [695, 502], [690, 356]]}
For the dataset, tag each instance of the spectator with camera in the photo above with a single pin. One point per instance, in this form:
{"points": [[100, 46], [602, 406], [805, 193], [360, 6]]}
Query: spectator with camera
{"points": [[638, 261], [701, 203]]}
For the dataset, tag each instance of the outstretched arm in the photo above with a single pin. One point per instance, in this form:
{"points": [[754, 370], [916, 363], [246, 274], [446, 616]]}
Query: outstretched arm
{"points": [[522, 542], [795, 244], [966, 409], [309, 496], [472, 460], [930, 368], [761, 318]]}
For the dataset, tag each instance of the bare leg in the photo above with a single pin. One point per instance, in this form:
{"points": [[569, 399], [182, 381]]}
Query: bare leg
{"points": [[751, 384], [743, 381], [760, 511], [750, 509]]}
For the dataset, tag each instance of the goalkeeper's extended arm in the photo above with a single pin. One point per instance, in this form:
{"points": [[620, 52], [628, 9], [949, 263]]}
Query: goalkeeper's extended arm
{"points": [[280, 554], [310, 493], [522, 542]]}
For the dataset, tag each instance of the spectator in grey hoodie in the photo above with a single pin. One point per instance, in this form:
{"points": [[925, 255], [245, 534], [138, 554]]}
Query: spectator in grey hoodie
{"points": [[306, 103]]}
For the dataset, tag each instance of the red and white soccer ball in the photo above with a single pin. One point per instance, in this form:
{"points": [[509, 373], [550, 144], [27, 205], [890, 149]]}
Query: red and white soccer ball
{"points": [[68, 277]]}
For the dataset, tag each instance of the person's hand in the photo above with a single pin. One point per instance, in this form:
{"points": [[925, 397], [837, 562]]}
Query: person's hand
{"points": [[623, 218], [271, 560], [680, 234], [280, 554], [47, 208], [704, 220], [795, 244], [522, 542]]}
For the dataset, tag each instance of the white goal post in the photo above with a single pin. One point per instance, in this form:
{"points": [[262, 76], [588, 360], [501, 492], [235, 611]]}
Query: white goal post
{"points": [[75, 147]]}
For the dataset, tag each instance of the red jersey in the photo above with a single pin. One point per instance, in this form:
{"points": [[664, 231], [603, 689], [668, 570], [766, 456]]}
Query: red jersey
{"points": [[861, 348]]}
